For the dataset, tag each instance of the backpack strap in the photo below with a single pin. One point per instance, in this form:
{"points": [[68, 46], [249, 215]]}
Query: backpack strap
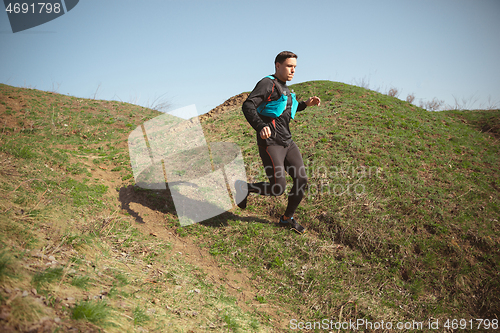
{"points": [[278, 88], [281, 98]]}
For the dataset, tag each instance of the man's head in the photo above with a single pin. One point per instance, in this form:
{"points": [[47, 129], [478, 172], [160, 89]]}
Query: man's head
{"points": [[285, 64]]}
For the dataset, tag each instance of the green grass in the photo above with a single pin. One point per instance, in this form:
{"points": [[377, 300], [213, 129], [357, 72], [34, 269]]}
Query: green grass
{"points": [[402, 216], [81, 282], [231, 322], [97, 312], [399, 197], [48, 276], [54, 202], [5, 265], [121, 279], [140, 316]]}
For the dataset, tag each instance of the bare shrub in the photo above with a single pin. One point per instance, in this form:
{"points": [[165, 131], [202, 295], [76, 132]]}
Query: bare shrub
{"points": [[410, 98], [363, 83], [97, 89], [470, 102], [433, 105], [464, 103], [55, 87], [159, 104], [162, 106], [492, 105], [393, 92], [133, 99]]}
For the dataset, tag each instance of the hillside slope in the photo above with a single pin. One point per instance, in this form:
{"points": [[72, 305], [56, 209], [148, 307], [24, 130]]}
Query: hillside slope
{"points": [[82, 248], [402, 211], [413, 194]]}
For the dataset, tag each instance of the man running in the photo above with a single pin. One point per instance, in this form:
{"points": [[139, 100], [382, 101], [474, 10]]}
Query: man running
{"points": [[269, 109]]}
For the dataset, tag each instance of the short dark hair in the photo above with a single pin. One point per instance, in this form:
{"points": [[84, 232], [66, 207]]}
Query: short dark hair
{"points": [[282, 56]]}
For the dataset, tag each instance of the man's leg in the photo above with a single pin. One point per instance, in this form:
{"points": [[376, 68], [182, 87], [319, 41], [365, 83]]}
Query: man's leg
{"points": [[273, 159], [294, 165]]}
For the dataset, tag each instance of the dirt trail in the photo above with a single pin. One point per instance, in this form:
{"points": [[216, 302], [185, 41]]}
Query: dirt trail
{"points": [[151, 221], [237, 284]]}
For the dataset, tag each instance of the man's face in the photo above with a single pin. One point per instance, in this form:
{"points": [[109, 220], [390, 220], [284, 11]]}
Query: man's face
{"points": [[286, 70]]}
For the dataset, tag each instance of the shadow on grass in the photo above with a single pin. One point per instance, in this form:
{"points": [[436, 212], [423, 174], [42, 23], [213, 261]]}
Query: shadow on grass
{"points": [[161, 200]]}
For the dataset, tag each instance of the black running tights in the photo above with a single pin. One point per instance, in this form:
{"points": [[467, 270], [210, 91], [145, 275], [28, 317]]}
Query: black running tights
{"points": [[277, 160]]}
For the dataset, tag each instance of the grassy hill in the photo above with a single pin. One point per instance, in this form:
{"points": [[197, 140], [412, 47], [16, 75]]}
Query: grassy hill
{"points": [[402, 210]]}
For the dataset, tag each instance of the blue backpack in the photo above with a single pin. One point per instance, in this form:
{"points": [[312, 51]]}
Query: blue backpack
{"points": [[274, 109]]}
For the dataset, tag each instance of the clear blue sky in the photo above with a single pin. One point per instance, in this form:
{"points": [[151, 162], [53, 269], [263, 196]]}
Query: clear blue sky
{"points": [[203, 52]]}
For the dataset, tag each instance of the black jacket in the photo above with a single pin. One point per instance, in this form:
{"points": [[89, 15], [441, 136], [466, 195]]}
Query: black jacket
{"points": [[280, 131]]}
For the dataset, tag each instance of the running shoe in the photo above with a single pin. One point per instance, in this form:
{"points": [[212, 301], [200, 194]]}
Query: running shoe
{"points": [[292, 224], [241, 193]]}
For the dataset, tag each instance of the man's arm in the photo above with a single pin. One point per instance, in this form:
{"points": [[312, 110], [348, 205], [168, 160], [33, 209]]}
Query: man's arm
{"points": [[302, 106], [256, 97], [315, 100], [311, 101]]}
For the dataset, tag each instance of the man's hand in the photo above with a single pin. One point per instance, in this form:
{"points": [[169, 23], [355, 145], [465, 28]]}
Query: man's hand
{"points": [[265, 132], [315, 100]]}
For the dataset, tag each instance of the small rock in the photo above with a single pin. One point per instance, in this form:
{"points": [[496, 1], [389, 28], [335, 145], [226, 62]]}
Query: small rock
{"points": [[25, 293], [52, 258], [4, 313], [7, 290], [122, 305], [33, 291], [35, 328], [57, 319]]}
